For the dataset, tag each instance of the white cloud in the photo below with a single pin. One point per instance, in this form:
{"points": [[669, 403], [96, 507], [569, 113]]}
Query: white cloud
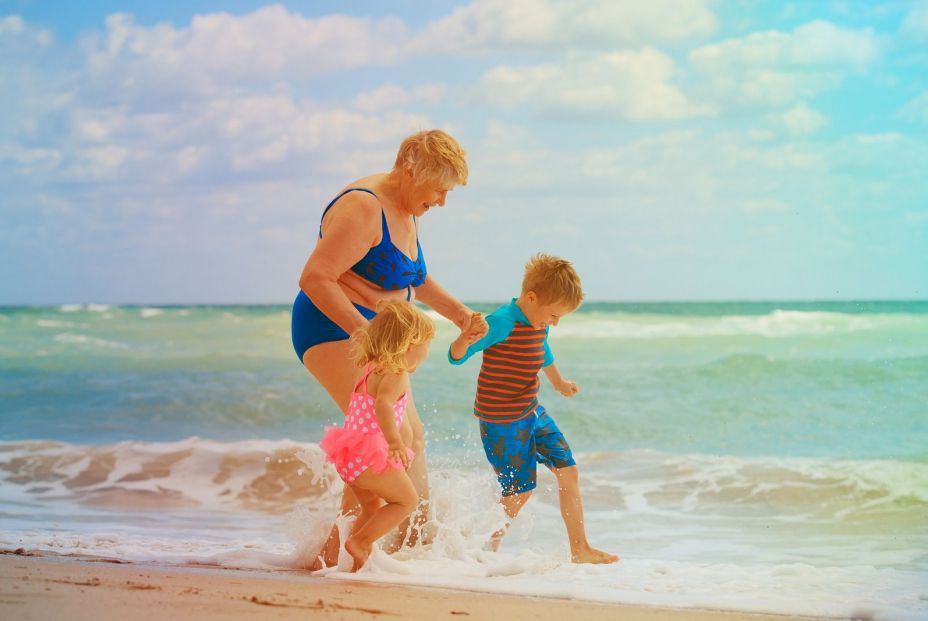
{"points": [[775, 69], [799, 120], [391, 96], [916, 110], [915, 23], [633, 85], [486, 25], [219, 52]]}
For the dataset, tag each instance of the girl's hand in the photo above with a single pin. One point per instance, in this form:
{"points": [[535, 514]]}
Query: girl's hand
{"points": [[397, 450], [567, 388]]}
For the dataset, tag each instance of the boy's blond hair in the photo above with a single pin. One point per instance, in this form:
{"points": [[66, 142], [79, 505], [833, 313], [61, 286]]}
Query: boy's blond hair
{"points": [[553, 280], [433, 156], [397, 326]]}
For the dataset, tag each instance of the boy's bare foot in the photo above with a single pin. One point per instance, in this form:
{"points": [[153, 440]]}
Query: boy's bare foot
{"points": [[358, 551], [592, 555]]}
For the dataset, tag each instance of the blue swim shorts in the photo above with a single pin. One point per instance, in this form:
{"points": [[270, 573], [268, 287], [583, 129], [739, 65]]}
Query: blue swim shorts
{"points": [[310, 327], [515, 448]]}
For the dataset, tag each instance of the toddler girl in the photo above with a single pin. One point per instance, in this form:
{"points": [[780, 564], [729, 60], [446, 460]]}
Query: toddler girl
{"points": [[369, 452]]}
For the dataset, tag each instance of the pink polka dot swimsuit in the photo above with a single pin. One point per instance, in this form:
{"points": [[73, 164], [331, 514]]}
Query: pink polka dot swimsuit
{"points": [[360, 443]]}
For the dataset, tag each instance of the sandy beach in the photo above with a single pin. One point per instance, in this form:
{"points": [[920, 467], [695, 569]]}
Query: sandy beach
{"points": [[48, 587]]}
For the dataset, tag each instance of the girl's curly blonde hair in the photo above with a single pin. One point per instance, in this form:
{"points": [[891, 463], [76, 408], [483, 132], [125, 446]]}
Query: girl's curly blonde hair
{"points": [[397, 326]]}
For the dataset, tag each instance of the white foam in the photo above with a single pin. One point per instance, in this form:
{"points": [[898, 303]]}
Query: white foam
{"points": [[147, 313], [684, 541], [777, 324], [83, 339]]}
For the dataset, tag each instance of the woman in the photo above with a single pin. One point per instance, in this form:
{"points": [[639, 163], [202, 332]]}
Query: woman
{"points": [[368, 250]]}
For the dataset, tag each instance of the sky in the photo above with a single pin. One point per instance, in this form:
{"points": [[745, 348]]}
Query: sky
{"points": [[183, 152]]}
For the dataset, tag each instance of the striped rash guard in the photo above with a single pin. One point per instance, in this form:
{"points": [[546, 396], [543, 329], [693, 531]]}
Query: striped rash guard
{"points": [[513, 353]]}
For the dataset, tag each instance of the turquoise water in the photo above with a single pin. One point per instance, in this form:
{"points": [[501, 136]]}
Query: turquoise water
{"points": [[837, 379], [727, 450]]}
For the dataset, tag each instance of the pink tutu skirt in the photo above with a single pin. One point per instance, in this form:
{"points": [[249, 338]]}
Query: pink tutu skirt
{"points": [[354, 451], [360, 444]]}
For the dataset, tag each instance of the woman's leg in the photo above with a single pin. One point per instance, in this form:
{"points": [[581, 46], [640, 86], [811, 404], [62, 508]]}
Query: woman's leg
{"points": [[330, 365]]}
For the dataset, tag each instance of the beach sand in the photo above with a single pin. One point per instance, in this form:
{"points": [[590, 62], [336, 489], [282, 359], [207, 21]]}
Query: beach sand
{"points": [[55, 587]]}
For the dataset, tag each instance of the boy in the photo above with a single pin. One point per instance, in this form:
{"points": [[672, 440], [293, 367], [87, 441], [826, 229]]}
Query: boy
{"points": [[516, 431]]}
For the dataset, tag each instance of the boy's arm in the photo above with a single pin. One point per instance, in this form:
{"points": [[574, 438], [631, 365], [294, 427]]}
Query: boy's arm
{"points": [[498, 330], [565, 387]]}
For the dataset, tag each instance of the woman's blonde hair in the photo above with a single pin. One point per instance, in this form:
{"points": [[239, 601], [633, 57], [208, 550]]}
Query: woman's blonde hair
{"points": [[397, 326], [433, 156], [553, 280]]}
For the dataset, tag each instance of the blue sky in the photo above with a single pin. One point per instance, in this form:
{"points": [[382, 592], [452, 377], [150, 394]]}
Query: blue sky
{"points": [[674, 150]]}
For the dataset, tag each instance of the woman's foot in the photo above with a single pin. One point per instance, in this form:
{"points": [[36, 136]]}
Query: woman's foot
{"points": [[589, 554], [359, 551], [328, 555]]}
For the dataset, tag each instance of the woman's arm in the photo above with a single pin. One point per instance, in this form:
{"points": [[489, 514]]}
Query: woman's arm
{"points": [[436, 297], [351, 229]]}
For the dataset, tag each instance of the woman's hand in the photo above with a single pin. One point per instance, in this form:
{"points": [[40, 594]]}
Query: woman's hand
{"points": [[475, 328]]}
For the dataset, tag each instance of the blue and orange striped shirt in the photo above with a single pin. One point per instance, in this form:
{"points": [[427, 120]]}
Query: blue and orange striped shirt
{"points": [[513, 353]]}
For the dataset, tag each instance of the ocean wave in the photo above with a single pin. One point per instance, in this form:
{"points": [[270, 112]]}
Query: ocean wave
{"points": [[83, 339], [777, 324], [876, 492], [257, 475], [270, 476]]}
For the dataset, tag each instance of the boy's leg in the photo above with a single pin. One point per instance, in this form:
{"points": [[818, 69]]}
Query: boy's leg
{"points": [[555, 453], [512, 505], [510, 449], [568, 486]]}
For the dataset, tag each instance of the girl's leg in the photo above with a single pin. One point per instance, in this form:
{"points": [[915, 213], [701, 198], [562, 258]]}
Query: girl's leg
{"points": [[568, 485], [411, 530], [399, 495]]}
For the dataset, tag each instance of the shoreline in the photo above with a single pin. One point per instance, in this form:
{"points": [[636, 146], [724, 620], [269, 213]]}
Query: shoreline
{"points": [[38, 586]]}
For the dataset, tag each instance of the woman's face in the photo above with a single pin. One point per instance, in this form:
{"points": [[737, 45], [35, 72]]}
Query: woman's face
{"points": [[424, 196]]}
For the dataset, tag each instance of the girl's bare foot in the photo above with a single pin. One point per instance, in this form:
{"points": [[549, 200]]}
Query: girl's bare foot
{"points": [[358, 551], [592, 555]]}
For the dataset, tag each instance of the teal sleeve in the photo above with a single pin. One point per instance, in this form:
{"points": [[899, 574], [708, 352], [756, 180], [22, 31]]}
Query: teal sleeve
{"points": [[500, 328], [549, 357]]}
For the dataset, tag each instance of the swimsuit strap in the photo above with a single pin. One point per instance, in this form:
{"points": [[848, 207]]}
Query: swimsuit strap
{"points": [[362, 381], [329, 206]]}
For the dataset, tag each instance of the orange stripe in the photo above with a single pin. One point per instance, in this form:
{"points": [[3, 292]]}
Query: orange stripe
{"points": [[481, 377], [528, 371], [510, 376]]}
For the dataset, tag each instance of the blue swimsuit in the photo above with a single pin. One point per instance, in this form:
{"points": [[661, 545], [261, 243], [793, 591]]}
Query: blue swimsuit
{"points": [[384, 265]]}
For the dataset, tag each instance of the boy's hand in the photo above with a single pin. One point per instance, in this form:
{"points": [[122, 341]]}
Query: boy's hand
{"points": [[567, 388], [397, 450]]}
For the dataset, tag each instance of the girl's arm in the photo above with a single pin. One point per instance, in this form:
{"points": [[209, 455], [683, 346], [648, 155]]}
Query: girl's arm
{"points": [[391, 388], [565, 387], [351, 228]]}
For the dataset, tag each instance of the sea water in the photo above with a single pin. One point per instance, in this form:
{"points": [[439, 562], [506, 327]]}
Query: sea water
{"points": [[749, 456]]}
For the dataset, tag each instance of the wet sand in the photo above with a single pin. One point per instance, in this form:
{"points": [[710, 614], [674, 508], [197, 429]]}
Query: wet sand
{"points": [[46, 587]]}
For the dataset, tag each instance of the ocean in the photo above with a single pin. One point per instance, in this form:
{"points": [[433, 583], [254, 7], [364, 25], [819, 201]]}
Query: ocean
{"points": [[757, 456]]}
